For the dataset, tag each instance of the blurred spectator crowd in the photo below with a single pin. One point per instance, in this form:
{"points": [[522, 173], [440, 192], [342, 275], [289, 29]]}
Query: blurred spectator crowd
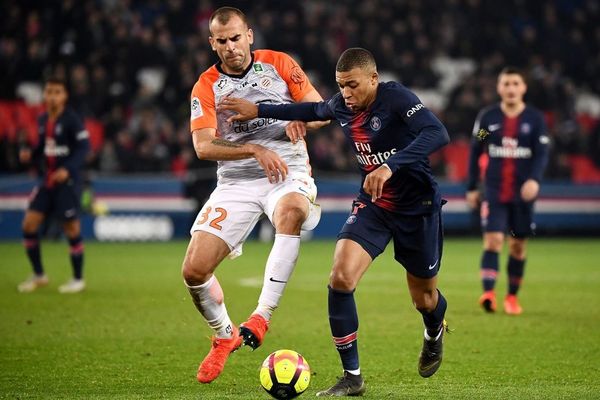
{"points": [[131, 66]]}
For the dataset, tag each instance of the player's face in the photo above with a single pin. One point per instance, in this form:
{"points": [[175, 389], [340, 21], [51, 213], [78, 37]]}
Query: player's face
{"points": [[232, 43], [511, 88], [55, 96], [358, 87]]}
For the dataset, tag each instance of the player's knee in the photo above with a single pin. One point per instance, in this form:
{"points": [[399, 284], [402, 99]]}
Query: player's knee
{"points": [[194, 271], [290, 218], [342, 280], [517, 249], [425, 301], [493, 242], [29, 227]]}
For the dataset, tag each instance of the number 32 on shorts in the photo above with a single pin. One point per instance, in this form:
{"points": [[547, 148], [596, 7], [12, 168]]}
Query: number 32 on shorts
{"points": [[214, 223]]}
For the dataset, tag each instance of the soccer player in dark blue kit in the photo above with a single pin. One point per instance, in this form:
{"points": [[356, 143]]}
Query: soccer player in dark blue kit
{"points": [[392, 134], [513, 135], [59, 156]]}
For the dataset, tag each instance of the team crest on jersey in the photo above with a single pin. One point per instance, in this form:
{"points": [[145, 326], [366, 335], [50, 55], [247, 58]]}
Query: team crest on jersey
{"points": [[265, 82], [375, 123], [58, 129], [196, 108], [526, 128], [258, 67]]}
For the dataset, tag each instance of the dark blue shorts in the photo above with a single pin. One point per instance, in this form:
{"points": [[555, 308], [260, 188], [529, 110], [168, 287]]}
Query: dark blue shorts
{"points": [[514, 218], [418, 239], [62, 201]]}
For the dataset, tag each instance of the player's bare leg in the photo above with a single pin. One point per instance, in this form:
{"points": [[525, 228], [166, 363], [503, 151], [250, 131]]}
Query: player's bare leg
{"points": [[517, 249], [289, 215], [72, 229], [31, 226], [205, 252], [350, 263], [432, 305], [492, 246]]}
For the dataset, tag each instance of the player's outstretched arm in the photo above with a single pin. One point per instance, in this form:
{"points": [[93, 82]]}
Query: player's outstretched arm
{"points": [[209, 147]]}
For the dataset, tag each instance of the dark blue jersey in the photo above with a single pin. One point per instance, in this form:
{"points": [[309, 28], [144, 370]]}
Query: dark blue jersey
{"points": [[517, 148], [62, 142], [396, 130]]}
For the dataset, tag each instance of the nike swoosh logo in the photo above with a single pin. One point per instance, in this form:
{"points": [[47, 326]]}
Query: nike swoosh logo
{"points": [[342, 124], [434, 264], [275, 280]]}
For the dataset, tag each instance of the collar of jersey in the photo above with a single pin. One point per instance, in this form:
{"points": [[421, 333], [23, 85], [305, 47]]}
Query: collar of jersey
{"points": [[237, 76]]}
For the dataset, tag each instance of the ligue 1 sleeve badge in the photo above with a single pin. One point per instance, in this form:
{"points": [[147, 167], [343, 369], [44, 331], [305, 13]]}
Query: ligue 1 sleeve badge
{"points": [[482, 134]]}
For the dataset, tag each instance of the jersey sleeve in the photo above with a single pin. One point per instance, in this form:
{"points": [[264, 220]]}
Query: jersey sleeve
{"points": [[202, 103], [477, 147], [431, 133], [292, 74], [540, 150], [80, 143], [307, 112]]}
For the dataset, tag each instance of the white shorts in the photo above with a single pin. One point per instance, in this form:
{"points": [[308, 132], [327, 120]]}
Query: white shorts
{"points": [[233, 209]]}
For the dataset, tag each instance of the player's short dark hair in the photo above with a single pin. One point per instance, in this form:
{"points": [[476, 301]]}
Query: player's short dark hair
{"points": [[355, 57], [510, 70], [224, 14], [55, 80]]}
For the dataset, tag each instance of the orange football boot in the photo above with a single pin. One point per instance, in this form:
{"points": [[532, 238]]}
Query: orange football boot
{"points": [[511, 305], [254, 330], [214, 362], [488, 301]]}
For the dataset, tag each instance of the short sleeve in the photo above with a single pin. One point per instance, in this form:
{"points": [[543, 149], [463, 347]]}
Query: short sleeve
{"points": [[293, 75], [202, 103]]}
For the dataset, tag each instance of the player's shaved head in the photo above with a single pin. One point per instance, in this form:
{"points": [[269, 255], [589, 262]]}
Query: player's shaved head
{"points": [[356, 57], [224, 14]]}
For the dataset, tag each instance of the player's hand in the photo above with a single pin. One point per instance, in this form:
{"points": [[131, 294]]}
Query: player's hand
{"points": [[245, 109], [473, 198], [60, 175], [374, 182], [274, 167], [25, 156], [296, 130], [530, 190]]}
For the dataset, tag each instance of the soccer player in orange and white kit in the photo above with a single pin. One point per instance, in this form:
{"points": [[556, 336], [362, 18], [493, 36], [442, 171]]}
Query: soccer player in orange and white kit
{"points": [[260, 171]]}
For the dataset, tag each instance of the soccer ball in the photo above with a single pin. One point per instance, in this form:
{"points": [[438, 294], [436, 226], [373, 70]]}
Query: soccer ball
{"points": [[285, 374]]}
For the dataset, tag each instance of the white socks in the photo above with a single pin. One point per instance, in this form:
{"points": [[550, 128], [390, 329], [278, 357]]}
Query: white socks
{"points": [[279, 268], [208, 299]]}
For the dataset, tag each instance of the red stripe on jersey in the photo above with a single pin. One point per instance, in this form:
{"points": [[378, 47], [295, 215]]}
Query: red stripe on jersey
{"points": [[507, 180], [50, 160], [360, 135]]}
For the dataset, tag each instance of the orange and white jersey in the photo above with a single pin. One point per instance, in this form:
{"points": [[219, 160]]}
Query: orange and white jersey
{"points": [[272, 77]]}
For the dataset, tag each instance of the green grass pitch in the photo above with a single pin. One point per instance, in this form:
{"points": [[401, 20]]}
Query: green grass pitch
{"points": [[135, 334]]}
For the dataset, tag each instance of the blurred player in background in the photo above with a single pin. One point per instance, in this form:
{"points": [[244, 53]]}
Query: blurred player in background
{"points": [[513, 135], [392, 134], [259, 172], [59, 157]]}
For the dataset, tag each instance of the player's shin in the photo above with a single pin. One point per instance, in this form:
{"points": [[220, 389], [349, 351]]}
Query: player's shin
{"points": [[209, 300], [434, 320], [343, 320], [279, 268], [76, 253], [31, 242], [489, 269], [515, 274]]}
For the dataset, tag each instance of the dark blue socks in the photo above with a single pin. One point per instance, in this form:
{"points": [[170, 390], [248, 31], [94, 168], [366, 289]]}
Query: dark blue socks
{"points": [[489, 269], [515, 274], [343, 320], [31, 242], [76, 251]]}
